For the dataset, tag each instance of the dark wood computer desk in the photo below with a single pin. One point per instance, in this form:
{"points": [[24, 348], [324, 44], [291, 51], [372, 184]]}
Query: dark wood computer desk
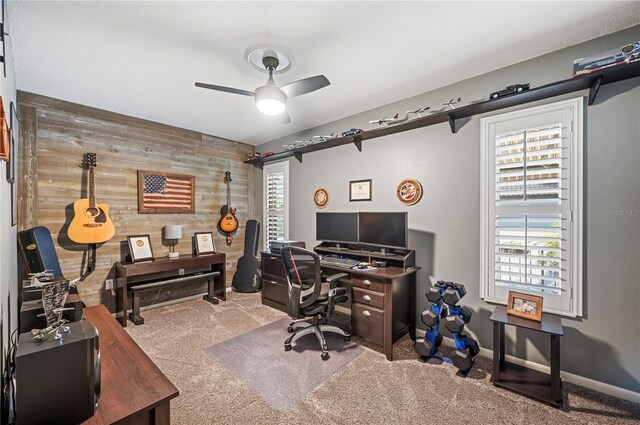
{"points": [[133, 390], [383, 302]]}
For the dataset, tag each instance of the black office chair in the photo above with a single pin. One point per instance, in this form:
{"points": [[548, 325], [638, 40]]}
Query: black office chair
{"points": [[309, 296]]}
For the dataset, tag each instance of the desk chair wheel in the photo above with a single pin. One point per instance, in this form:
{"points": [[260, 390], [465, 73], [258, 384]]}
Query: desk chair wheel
{"points": [[325, 356], [347, 338], [287, 347], [290, 329]]}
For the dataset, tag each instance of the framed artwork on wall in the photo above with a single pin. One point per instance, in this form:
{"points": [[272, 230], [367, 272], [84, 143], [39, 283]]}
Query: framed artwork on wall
{"points": [[14, 135], [4, 134], [205, 244], [163, 193], [409, 192], [526, 306], [321, 197], [140, 248], [360, 190]]}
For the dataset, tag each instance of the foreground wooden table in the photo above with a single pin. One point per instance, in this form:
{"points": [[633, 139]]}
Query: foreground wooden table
{"points": [[546, 387], [133, 391]]}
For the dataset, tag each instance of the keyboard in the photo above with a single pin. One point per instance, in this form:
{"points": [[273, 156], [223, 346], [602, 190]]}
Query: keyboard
{"points": [[340, 262]]}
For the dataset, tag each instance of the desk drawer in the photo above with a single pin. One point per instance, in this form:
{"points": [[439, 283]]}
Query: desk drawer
{"points": [[367, 322], [272, 266], [371, 298], [367, 283], [275, 290]]}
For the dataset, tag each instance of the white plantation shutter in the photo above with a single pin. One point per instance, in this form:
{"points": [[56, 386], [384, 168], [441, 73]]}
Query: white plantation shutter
{"points": [[531, 185], [276, 197]]}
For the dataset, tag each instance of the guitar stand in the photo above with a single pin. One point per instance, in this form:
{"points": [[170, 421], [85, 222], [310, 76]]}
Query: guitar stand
{"points": [[90, 257]]}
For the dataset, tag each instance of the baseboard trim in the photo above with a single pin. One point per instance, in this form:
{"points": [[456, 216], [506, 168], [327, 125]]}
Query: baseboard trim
{"points": [[566, 376]]}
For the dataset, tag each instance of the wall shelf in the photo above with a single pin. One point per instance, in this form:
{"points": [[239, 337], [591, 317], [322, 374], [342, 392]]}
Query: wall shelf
{"points": [[593, 82]]}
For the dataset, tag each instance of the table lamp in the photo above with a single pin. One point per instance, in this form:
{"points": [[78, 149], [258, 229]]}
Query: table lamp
{"points": [[172, 233]]}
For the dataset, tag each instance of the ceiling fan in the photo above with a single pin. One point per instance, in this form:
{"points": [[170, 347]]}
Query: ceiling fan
{"points": [[271, 99]]}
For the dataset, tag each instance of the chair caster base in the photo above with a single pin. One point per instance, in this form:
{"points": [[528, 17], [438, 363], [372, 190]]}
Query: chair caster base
{"points": [[325, 356], [287, 347]]}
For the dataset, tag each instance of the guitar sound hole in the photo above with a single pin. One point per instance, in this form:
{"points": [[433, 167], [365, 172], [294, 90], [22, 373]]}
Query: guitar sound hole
{"points": [[93, 212]]}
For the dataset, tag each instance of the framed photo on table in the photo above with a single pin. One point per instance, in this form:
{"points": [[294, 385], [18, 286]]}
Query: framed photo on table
{"points": [[360, 190], [526, 306], [205, 244], [140, 248]]}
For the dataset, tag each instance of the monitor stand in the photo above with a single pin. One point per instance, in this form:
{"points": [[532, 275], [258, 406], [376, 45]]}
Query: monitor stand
{"points": [[339, 248], [384, 253]]}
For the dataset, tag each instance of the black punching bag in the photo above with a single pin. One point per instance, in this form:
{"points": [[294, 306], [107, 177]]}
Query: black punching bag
{"points": [[247, 276]]}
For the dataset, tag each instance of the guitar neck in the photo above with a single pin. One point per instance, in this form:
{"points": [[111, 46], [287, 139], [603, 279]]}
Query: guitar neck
{"points": [[228, 195], [92, 193]]}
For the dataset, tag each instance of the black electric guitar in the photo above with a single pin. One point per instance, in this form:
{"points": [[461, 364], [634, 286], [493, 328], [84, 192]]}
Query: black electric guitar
{"points": [[247, 276], [228, 223]]}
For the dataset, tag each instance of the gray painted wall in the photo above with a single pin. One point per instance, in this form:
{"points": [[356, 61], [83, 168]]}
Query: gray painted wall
{"points": [[8, 254], [604, 344]]}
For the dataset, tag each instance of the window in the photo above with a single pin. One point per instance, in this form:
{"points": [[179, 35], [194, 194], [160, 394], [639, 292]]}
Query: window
{"points": [[276, 202], [532, 206]]}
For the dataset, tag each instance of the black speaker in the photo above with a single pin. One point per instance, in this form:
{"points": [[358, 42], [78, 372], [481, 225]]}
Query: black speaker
{"points": [[58, 382], [247, 276], [38, 252]]}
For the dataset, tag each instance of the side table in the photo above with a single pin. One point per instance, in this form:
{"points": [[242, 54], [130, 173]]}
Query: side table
{"points": [[546, 387]]}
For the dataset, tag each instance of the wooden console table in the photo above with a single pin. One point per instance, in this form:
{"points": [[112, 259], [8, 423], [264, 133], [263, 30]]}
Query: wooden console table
{"points": [[539, 385], [133, 390], [165, 271]]}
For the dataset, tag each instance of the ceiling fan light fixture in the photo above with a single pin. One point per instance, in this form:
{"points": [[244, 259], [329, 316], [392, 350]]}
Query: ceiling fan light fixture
{"points": [[270, 100]]}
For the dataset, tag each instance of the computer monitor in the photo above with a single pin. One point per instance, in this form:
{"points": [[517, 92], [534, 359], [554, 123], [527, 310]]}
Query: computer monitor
{"points": [[337, 227], [385, 229]]}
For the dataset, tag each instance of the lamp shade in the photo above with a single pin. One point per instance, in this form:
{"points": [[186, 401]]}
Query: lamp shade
{"points": [[270, 100], [173, 231]]}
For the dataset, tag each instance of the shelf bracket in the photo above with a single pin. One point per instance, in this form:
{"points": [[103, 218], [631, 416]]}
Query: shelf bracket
{"points": [[358, 143], [298, 156], [452, 122], [593, 90]]}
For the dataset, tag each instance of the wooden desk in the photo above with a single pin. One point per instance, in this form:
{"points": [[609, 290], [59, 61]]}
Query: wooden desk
{"points": [[133, 390], [539, 385], [383, 302], [164, 268]]}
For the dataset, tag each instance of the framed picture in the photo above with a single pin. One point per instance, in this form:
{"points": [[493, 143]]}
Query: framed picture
{"points": [[4, 134], [162, 193], [360, 190], [526, 306], [14, 134], [205, 244], [140, 248]]}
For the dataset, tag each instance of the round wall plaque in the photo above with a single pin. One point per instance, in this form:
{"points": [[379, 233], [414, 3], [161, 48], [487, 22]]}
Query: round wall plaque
{"points": [[321, 198], [409, 191]]}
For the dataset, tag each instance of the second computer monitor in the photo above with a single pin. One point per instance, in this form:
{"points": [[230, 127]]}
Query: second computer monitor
{"points": [[337, 227], [386, 229]]}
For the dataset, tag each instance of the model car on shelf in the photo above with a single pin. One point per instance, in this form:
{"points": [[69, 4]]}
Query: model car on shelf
{"points": [[352, 132], [614, 57], [516, 88], [268, 154]]}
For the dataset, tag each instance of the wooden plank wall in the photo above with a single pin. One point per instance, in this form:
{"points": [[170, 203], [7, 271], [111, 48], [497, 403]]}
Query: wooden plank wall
{"points": [[54, 136]]}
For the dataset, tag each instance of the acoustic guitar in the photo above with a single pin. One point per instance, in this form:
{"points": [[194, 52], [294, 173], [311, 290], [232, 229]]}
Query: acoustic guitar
{"points": [[228, 223], [91, 223]]}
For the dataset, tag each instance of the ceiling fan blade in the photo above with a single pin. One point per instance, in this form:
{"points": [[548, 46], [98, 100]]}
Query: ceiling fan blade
{"points": [[284, 118], [225, 89], [304, 86]]}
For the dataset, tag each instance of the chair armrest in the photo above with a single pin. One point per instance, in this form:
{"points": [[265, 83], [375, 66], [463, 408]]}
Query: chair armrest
{"points": [[333, 279], [293, 305]]}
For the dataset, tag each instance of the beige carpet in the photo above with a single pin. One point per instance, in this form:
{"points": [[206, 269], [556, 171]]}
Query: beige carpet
{"points": [[368, 390]]}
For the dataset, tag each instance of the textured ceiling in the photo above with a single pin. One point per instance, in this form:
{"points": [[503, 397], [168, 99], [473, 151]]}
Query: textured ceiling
{"points": [[142, 58]]}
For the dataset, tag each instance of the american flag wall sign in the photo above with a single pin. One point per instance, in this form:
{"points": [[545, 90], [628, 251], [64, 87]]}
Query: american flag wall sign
{"points": [[160, 193]]}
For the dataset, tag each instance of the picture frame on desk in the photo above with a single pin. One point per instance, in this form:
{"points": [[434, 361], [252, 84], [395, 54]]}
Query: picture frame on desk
{"points": [[140, 248], [205, 243], [360, 190]]}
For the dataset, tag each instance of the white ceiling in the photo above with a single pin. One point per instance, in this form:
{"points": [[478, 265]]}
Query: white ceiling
{"points": [[142, 58]]}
